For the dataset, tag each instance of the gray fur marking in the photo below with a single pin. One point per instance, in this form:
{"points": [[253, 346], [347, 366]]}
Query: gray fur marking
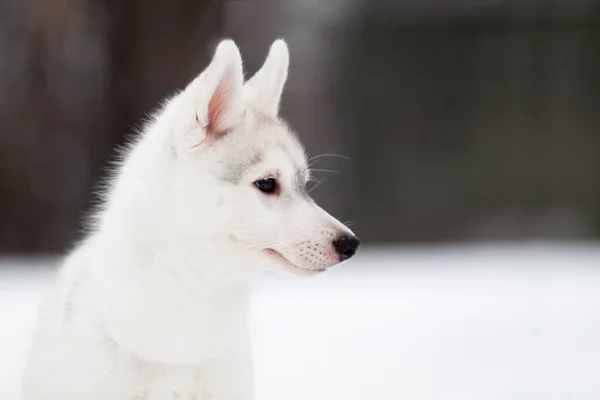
{"points": [[300, 181], [233, 171]]}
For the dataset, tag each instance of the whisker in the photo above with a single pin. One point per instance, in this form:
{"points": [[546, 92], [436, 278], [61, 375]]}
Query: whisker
{"points": [[348, 223], [316, 186], [327, 155], [314, 179], [310, 164], [324, 170]]}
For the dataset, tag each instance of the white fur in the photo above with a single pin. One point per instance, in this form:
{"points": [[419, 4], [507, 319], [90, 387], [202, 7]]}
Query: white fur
{"points": [[153, 303]]}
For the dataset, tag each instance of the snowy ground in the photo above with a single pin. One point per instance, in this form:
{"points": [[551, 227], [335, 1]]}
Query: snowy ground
{"points": [[487, 322]]}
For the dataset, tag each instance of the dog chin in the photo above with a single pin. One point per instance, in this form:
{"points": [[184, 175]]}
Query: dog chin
{"points": [[287, 266]]}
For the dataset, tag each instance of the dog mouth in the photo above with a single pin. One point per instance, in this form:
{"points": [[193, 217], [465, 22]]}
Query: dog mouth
{"points": [[290, 265]]}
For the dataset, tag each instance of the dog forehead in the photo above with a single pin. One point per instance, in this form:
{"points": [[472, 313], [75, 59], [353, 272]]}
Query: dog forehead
{"points": [[265, 142], [274, 136], [283, 154]]}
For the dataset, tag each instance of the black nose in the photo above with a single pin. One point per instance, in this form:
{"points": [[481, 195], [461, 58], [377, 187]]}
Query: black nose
{"points": [[346, 246]]}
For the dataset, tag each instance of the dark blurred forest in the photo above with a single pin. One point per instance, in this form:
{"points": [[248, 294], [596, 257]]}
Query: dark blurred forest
{"points": [[461, 120]]}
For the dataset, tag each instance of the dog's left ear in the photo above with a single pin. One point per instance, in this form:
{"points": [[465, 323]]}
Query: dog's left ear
{"points": [[263, 91]]}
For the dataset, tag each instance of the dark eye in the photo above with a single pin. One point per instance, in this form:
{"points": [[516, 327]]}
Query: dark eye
{"points": [[266, 185]]}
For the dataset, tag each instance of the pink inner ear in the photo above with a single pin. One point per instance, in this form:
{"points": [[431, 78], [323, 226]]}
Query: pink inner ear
{"points": [[217, 106]]}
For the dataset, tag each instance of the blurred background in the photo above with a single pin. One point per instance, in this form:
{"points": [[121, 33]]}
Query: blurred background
{"points": [[462, 124]]}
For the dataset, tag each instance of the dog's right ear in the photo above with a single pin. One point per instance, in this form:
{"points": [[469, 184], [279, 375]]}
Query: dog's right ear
{"points": [[212, 102], [263, 91]]}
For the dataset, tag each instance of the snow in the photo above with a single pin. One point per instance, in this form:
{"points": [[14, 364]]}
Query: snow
{"points": [[463, 322]]}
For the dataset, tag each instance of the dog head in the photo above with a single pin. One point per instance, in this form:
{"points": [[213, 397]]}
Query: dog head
{"points": [[243, 174]]}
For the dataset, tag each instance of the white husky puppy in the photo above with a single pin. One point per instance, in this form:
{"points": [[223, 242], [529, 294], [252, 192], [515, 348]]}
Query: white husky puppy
{"points": [[153, 303]]}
